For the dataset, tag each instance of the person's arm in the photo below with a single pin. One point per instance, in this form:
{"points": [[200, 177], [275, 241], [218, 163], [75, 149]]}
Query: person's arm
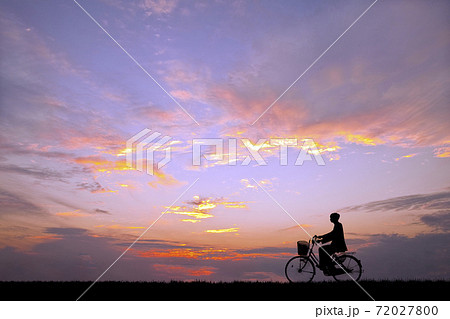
{"points": [[328, 237]]}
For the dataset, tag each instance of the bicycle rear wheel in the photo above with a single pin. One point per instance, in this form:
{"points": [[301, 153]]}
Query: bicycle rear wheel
{"points": [[299, 269], [350, 268]]}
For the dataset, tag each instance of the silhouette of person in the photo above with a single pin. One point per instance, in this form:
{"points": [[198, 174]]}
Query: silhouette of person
{"points": [[336, 236]]}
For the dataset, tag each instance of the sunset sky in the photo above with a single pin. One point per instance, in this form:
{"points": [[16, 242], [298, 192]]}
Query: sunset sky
{"points": [[376, 104]]}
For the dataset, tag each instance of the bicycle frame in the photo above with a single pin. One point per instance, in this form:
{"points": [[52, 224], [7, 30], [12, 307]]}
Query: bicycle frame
{"points": [[353, 265], [310, 255]]}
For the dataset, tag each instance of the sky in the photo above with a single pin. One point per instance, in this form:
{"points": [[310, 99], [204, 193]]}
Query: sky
{"points": [[79, 79]]}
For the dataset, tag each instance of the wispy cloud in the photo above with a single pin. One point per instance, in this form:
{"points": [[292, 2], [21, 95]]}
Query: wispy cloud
{"points": [[74, 213], [431, 201], [117, 226], [93, 187], [405, 156], [163, 179], [14, 204], [296, 227], [34, 171], [439, 220], [159, 7], [223, 230], [66, 231], [443, 151], [432, 210], [201, 207]]}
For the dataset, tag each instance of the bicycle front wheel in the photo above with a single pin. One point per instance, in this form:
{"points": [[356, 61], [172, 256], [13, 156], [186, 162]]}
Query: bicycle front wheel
{"points": [[300, 269], [350, 268]]}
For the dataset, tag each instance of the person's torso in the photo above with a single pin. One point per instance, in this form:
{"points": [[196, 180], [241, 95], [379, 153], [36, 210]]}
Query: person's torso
{"points": [[338, 241]]}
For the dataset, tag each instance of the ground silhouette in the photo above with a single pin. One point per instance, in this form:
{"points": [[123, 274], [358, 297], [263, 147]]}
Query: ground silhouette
{"points": [[240, 290]]}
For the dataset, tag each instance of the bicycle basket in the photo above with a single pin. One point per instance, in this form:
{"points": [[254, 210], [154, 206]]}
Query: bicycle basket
{"points": [[302, 247]]}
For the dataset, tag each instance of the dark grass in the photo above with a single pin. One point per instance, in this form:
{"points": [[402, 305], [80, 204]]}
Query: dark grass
{"points": [[240, 290]]}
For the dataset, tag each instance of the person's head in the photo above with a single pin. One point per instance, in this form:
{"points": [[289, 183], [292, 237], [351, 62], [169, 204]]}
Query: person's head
{"points": [[334, 217]]}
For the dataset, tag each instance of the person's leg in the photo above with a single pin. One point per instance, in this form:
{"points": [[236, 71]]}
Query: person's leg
{"points": [[324, 256]]}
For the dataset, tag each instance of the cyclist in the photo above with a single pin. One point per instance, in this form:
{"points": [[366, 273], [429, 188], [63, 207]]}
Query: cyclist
{"points": [[336, 236]]}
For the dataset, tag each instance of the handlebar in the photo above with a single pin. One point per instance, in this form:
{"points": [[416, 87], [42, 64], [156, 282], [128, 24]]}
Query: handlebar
{"points": [[314, 239]]}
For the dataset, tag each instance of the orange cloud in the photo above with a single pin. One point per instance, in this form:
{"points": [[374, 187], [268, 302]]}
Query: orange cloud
{"points": [[360, 139], [126, 186], [101, 164], [333, 157], [442, 151], [405, 156], [207, 254], [220, 231], [183, 253], [119, 227], [190, 220], [296, 227], [235, 204], [74, 213], [105, 143], [265, 183], [164, 179], [372, 111], [248, 184], [182, 95], [45, 237], [193, 213], [201, 207]]}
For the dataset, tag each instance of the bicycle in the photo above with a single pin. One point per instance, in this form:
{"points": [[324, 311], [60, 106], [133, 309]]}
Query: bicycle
{"points": [[302, 268]]}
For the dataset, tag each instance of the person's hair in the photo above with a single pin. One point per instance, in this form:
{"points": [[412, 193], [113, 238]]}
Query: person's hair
{"points": [[335, 216]]}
